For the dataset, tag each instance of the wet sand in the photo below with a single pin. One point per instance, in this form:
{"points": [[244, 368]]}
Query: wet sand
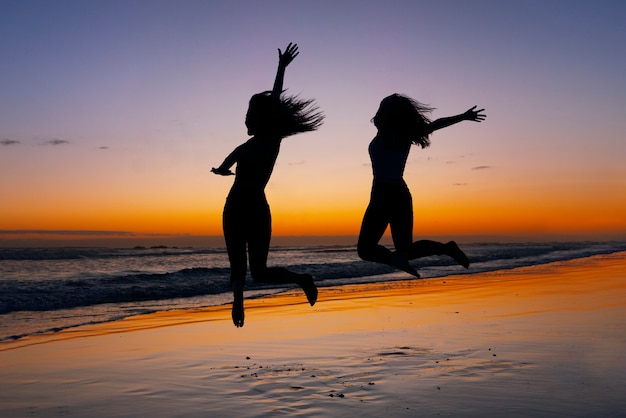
{"points": [[546, 341]]}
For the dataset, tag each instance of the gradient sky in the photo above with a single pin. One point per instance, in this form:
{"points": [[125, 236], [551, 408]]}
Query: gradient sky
{"points": [[113, 112]]}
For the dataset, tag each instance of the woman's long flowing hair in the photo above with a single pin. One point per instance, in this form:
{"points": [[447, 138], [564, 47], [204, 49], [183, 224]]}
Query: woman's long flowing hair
{"points": [[405, 117], [282, 115]]}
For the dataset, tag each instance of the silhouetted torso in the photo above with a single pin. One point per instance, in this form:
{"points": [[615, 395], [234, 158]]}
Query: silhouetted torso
{"points": [[388, 160], [255, 164]]}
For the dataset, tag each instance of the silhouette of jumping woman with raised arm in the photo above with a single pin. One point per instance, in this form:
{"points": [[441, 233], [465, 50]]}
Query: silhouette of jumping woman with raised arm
{"points": [[401, 122], [271, 117]]}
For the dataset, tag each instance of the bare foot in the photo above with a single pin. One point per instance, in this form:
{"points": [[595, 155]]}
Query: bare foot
{"points": [[237, 313], [400, 261], [455, 252], [310, 290]]}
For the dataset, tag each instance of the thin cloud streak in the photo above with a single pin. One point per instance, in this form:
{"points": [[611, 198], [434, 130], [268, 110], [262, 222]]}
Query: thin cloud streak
{"points": [[55, 142]]}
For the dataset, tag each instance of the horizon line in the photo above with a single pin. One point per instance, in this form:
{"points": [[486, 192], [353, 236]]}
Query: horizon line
{"points": [[36, 238]]}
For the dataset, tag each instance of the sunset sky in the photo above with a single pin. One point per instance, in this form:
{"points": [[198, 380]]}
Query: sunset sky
{"points": [[112, 114]]}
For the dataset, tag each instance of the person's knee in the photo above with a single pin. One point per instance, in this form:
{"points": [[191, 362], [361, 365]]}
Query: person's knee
{"points": [[364, 251]]}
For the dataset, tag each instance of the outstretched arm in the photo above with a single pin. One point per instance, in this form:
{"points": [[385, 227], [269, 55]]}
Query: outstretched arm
{"points": [[224, 168], [284, 59], [471, 114]]}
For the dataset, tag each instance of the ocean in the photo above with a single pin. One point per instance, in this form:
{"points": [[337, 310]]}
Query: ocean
{"points": [[48, 290]]}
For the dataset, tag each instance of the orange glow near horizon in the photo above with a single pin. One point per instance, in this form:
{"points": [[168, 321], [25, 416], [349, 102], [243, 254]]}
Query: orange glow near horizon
{"points": [[471, 218], [329, 207]]}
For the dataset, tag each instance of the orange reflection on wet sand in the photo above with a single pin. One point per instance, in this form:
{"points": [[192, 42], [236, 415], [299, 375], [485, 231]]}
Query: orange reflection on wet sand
{"points": [[539, 340]]}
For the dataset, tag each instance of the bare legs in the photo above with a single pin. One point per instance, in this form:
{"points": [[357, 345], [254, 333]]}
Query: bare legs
{"points": [[453, 250], [280, 275], [247, 231], [418, 249], [392, 205]]}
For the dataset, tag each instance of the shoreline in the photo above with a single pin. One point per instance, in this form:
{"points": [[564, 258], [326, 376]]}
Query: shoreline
{"points": [[545, 340], [294, 297]]}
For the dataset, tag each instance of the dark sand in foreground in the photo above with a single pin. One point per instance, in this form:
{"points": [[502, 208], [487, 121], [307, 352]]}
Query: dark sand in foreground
{"points": [[540, 341]]}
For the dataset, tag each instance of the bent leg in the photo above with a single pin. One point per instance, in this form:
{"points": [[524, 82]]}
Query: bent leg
{"points": [[453, 250], [280, 275], [425, 248], [401, 218], [368, 247], [258, 250], [401, 224], [259, 242], [373, 227]]}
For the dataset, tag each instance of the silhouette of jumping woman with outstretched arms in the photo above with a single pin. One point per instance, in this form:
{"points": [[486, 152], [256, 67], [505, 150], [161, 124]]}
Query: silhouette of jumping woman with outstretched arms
{"points": [[271, 117], [401, 121]]}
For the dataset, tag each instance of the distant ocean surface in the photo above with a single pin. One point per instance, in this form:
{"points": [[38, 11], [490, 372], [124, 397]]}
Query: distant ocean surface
{"points": [[47, 290]]}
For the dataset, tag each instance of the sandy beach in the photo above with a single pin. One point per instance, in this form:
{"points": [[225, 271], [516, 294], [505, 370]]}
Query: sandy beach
{"points": [[543, 341]]}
